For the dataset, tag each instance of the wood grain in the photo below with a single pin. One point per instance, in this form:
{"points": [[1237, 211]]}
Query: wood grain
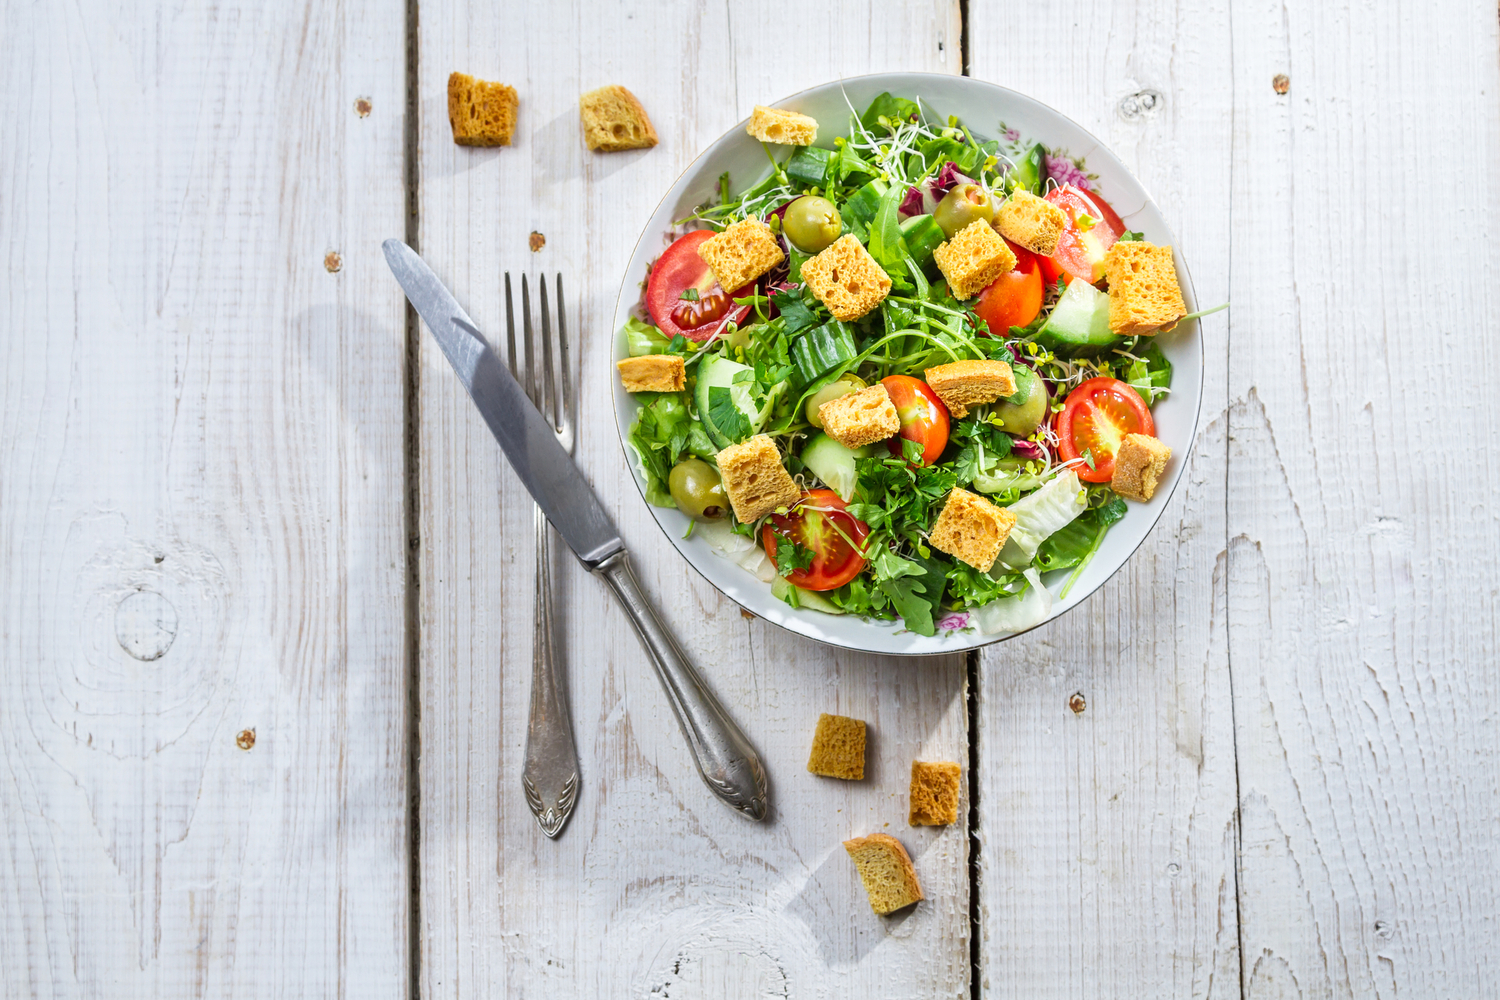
{"points": [[1108, 836], [1363, 538], [655, 888], [200, 502]]}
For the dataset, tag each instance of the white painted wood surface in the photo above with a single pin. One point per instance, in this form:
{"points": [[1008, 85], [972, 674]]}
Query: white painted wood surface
{"points": [[655, 888], [1363, 534], [200, 502], [1284, 782]]}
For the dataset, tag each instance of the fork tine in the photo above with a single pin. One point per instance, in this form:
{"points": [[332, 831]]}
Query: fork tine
{"points": [[527, 339], [510, 328], [548, 380], [565, 415]]}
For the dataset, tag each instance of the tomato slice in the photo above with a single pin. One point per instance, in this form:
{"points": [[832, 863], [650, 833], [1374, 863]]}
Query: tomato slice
{"points": [[1081, 247], [1013, 299], [1095, 418], [820, 523], [678, 269], [924, 418]]}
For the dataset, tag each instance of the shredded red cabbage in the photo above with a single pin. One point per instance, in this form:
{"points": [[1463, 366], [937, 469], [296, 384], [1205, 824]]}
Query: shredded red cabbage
{"points": [[1029, 450]]}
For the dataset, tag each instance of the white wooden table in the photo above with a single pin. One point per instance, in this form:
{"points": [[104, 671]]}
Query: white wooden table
{"points": [[264, 620]]}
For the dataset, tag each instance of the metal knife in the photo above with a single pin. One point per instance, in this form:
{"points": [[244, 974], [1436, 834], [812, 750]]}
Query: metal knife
{"points": [[725, 758]]}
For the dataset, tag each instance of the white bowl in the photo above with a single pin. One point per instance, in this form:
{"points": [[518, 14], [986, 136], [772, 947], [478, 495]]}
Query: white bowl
{"points": [[981, 107]]}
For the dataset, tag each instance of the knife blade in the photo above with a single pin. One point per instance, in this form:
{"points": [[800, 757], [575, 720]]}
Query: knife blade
{"points": [[726, 761], [541, 463]]}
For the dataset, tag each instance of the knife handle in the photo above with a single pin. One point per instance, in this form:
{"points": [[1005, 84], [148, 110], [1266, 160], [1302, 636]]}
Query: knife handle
{"points": [[725, 758]]}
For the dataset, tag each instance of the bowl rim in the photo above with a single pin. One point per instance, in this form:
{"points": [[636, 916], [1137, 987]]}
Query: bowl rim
{"points": [[1186, 278]]}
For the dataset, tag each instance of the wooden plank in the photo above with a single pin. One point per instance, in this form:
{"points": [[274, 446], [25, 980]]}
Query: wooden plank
{"points": [[200, 503], [1363, 540], [1108, 837], [655, 888]]}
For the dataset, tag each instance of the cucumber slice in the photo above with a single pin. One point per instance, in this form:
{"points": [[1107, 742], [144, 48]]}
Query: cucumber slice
{"points": [[717, 373], [780, 589], [922, 235], [1079, 322], [834, 464]]}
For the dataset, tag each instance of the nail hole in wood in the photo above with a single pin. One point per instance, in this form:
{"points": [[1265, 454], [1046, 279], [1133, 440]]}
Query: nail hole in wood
{"points": [[332, 262], [246, 739], [536, 241], [363, 107], [1076, 703], [1281, 83]]}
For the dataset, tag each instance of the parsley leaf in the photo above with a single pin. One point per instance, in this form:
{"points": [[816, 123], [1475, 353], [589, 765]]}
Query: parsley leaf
{"points": [[1131, 237], [725, 415], [689, 295], [791, 555]]}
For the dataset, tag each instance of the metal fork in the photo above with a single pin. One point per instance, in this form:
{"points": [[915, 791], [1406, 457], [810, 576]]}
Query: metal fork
{"points": [[550, 777]]}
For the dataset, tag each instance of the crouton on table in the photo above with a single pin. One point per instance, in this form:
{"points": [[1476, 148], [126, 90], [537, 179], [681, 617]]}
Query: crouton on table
{"points": [[481, 113], [755, 480], [741, 253], [613, 120], [889, 877], [972, 259], [785, 127], [963, 384], [1033, 222], [846, 279], [971, 529], [838, 749], [1143, 292], [1139, 463], [934, 793], [653, 373], [860, 418]]}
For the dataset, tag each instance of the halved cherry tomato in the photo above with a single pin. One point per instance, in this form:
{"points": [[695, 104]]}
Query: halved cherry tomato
{"points": [[1095, 418], [821, 523], [1081, 247], [1013, 299], [678, 269], [924, 418]]}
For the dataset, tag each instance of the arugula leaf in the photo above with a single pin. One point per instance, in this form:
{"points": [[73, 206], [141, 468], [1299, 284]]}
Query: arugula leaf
{"points": [[885, 243], [1131, 237], [1076, 542], [1150, 375], [889, 566], [911, 450], [725, 415], [917, 597]]}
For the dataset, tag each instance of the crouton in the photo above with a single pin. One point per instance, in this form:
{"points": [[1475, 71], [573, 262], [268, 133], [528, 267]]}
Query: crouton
{"points": [[971, 529], [963, 384], [1143, 292], [860, 418], [1033, 222], [755, 479], [653, 373], [974, 258], [481, 113], [785, 127], [934, 793], [614, 120], [838, 749], [1139, 463], [741, 253], [886, 870], [846, 279]]}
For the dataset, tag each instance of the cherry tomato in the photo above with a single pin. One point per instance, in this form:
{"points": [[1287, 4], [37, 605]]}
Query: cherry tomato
{"points": [[678, 269], [820, 523], [1081, 247], [1013, 299], [1095, 418], [924, 418]]}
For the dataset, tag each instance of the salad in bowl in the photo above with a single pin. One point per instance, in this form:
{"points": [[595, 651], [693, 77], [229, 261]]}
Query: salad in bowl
{"points": [[902, 374]]}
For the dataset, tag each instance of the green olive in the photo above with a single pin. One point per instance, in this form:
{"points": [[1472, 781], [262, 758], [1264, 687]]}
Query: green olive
{"points": [[845, 384], [1022, 418], [811, 223], [697, 489], [966, 203]]}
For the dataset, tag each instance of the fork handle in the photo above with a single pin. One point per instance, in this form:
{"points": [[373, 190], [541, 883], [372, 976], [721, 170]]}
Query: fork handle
{"points": [[550, 775], [725, 758]]}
